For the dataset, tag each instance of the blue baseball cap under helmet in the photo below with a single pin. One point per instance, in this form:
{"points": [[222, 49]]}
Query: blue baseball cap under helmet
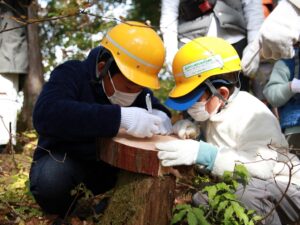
{"points": [[186, 101]]}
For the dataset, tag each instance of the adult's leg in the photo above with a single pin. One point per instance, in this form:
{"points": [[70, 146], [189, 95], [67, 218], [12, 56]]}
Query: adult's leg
{"points": [[100, 176], [52, 177]]}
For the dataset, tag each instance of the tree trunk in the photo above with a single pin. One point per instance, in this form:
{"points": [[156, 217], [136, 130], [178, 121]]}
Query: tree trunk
{"points": [[34, 80], [141, 200]]}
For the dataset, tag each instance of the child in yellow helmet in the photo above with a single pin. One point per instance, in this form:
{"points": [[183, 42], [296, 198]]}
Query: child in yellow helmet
{"points": [[237, 128]]}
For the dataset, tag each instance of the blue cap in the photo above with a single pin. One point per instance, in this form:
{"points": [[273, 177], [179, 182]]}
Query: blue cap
{"points": [[186, 101]]}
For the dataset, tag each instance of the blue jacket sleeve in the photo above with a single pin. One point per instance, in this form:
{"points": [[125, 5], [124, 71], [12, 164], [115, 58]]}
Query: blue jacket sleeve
{"points": [[67, 108]]}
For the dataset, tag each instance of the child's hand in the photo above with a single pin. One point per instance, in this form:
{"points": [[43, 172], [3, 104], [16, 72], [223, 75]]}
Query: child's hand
{"points": [[178, 152], [295, 85], [185, 129]]}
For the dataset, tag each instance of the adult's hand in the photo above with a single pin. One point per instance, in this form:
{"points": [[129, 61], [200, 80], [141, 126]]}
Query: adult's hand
{"points": [[165, 127], [139, 122]]}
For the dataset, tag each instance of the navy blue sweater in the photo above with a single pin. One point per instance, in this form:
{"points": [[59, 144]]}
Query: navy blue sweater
{"points": [[72, 110]]}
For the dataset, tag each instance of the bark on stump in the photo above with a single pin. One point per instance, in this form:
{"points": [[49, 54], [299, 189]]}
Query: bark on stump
{"points": [[141, 199]]}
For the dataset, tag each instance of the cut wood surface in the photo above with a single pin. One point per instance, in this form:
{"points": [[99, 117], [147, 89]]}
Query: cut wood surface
{"points": [[133, 154]]}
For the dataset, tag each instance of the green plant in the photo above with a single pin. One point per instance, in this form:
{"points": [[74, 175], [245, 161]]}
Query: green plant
{"points": [[223, 206], [165, 87]]}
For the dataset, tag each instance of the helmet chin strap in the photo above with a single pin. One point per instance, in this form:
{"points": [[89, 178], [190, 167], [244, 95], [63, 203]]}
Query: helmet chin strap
{"points": [[100, 75], [214, 91], [105, 69]]}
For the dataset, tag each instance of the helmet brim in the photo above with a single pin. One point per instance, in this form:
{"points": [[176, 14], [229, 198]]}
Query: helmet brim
{"points": [[188, 100]]}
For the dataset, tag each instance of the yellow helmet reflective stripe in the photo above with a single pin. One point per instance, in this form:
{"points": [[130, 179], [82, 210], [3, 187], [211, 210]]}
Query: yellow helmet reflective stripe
{"points": [[200, 59], [129, 54], [138, 51]]}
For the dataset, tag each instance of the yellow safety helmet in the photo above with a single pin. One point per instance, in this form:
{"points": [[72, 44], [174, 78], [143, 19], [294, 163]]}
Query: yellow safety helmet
{"points": [[200, 59], [138, 51]]}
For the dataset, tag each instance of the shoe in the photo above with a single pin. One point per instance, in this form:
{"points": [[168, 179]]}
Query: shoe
{"points": [[101, 206], [85, 209], [60, 221]]}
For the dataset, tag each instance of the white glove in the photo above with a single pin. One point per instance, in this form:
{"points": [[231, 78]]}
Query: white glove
{"points": [[139, 122], [251, 58], [295, 85], [178, 152], [186, 129], [165, 127], [280, 31]]}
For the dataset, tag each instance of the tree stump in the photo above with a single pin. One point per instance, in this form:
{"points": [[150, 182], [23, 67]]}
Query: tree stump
{"points": [[145, 191], [141, 200]]}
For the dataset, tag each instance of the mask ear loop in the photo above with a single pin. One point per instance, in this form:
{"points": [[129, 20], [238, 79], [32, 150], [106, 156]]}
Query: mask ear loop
{"points": [[99, 76], [105, 69], [111, 81]]}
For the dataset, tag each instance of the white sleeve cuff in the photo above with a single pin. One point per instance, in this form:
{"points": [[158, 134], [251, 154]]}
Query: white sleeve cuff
{"points": [[295, 3]]}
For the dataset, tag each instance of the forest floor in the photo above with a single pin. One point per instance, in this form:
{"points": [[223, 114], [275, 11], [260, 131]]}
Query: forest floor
{"points": [[17, 205]]}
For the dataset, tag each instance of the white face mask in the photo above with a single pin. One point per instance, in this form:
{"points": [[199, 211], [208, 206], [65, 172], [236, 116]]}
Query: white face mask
{"points": [[198, 111], [119, 97]]}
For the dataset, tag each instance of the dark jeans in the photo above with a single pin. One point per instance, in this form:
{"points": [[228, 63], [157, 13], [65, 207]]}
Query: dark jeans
{"points": [[52, 178]]}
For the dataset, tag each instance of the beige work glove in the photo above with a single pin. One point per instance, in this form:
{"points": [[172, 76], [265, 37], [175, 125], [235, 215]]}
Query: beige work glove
{"points": [[186, 129]]}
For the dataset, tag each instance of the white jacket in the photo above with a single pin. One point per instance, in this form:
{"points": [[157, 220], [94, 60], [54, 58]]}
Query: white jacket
{"points": [[242, 132]]}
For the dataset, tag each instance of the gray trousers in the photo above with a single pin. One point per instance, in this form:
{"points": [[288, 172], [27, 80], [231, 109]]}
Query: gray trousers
{"points": [[262, 196]]}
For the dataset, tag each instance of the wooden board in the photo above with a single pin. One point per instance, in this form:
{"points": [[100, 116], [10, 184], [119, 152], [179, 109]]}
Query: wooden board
{"points": [[133, 154]]}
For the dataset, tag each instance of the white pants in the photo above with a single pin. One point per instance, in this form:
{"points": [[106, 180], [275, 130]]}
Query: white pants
{"points": [[9, 84]]}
